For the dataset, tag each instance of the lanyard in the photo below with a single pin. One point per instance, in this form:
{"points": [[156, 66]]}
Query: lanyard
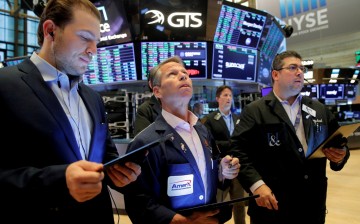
{"points": [[297, 119]]}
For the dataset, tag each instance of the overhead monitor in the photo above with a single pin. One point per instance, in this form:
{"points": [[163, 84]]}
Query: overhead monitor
{"points": [[114, 26], [239, 25], [331, 91], [193, 54], [112, 64], [310, 90], [234, 62], [264, 69], [350, 91], [162, 20]]}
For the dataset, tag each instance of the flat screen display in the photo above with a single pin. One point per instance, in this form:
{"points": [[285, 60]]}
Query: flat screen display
{"points": [[177, 20], [272, 38], [331, 91], [234, 62], [193, 54], [112, 64], [239, 25], [350, 91], [310, 90], [114, 27], [264, 69]]}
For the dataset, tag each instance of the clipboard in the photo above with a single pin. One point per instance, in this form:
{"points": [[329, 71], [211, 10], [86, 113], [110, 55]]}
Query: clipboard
{"points": [[213, 206], [343, 131], [138, 155]]}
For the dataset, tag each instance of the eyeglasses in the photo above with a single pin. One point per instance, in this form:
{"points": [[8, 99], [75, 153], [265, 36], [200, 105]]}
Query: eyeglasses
{"points": [[294, 68]]}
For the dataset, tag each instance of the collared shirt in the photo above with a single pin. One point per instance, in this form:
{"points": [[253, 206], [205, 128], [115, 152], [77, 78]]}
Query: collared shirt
{"points": [[70, 101], [188, 133], [292, 111], [228, 121]]}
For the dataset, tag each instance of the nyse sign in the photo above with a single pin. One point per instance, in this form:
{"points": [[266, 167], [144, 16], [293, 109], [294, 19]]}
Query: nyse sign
{"points": [[177, 19]]}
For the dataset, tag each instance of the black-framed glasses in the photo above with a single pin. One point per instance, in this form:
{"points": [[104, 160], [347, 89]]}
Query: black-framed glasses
{"points": [[294, 68]]}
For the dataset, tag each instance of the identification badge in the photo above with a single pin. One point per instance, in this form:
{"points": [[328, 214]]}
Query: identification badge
{"points": [[180, 185], [308, 110]]}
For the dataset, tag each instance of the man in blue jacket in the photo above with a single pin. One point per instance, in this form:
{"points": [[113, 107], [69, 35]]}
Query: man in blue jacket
{"points": [[181, 172], [55, 135]]}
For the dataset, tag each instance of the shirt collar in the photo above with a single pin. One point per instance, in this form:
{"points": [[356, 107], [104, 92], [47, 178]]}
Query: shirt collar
{"points": [[175, 121], [50, 73]]}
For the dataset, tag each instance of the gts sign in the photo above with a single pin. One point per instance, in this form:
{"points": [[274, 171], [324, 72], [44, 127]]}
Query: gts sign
{"points": [[177, 19]]}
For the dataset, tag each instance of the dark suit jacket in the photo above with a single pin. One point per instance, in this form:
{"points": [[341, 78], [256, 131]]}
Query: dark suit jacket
{"points": [[146, 199], [268, 149], [39, 144], [217, 126], [146, 113]]}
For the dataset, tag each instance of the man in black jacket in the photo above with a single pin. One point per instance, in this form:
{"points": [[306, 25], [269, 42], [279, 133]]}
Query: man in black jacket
{"points": [[273, 142], [221, 123]]}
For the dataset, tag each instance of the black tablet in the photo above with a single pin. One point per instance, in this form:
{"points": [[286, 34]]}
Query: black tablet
{"points": [[343, 131], [213, 206], [138, 155]]}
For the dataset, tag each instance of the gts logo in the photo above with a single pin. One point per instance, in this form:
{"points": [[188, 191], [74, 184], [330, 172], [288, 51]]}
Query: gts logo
{"points": [[177, 19]]}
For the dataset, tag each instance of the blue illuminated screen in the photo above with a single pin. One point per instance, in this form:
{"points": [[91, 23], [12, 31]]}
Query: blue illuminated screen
{"points": [[234, 62], [112, 64], [193, 54]]}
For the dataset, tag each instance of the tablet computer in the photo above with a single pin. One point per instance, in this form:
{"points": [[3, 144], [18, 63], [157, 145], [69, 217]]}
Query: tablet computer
{"points": [[333, 140], [138, 155], [214, 206]]}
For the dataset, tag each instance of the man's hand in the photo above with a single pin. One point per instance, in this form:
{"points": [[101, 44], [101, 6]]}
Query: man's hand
{"points": [[122, 175], [83, 179], [266, 198], [334, 154], [230, 167]]}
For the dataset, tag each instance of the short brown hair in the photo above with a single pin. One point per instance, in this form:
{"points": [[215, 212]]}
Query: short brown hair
{"points": [[61, 13], [155, 74], [221, 88]]}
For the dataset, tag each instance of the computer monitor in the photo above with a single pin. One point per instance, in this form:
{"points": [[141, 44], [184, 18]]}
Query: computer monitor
{"points": [[112, 64], [234, 62], [310, 90], [331, 91], [350, 91], [114, 26], [239, 25], [193, 54]]}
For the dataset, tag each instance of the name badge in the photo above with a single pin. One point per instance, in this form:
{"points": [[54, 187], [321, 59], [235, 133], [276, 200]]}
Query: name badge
{"points": [[308, 110], [180, 185]]}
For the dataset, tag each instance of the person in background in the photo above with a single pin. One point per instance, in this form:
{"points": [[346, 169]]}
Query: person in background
{"points": [[147, 112], [187, 157], [276, 135], [221, 123], [54, 131], [198, 109]]}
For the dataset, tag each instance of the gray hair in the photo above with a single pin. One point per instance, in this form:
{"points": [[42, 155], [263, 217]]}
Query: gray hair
{"points": [[155, 73]]}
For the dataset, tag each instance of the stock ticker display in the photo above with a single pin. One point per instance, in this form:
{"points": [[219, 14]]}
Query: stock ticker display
{"points": [[112, 64], [234, 62], [239, 27], [193, 54]]}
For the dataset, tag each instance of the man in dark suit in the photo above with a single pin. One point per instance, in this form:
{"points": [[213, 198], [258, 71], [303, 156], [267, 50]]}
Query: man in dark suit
{"points": [[54, 131], [148, 111], [221, 123], [277, 133], [181, 172]]}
